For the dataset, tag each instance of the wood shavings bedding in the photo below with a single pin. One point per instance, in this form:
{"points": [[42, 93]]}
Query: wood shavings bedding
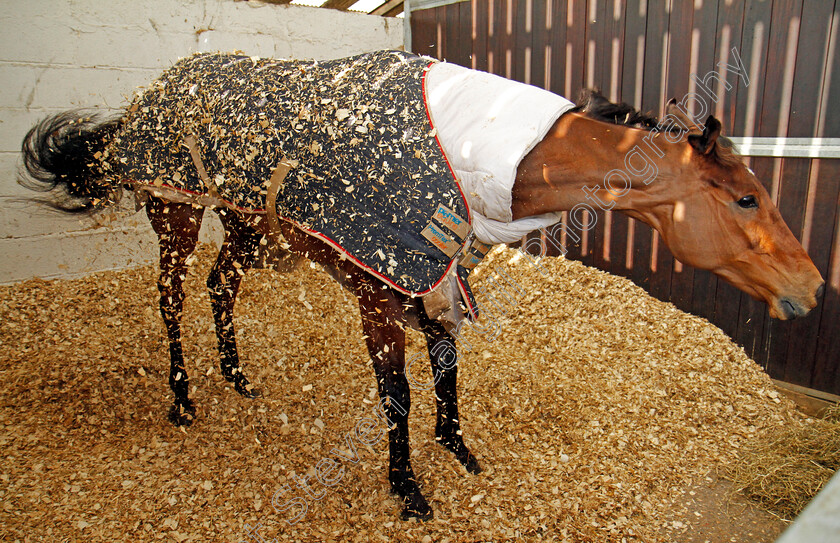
{"points": [[593, 408]]}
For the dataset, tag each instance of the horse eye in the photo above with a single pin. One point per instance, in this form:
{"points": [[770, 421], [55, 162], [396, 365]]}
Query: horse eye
{"points": [[748, 202]]}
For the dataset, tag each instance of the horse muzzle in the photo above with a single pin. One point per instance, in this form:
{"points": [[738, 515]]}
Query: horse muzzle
{"points": [[790, 307]]}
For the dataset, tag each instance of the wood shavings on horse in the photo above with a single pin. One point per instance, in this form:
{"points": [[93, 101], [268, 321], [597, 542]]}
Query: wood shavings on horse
{"points": [[592, 409], [356, 131]]}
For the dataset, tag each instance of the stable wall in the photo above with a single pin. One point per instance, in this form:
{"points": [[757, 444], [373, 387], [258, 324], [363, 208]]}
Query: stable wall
{"points": [[56, 56]]}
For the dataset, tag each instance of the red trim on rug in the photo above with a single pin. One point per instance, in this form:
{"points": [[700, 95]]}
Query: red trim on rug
{"points": [[186, 191], [335, 245], [442, 150]]}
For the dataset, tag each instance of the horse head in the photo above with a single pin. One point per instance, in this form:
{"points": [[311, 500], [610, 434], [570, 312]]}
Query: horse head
{"points": [[685, 181], [722, 219]]}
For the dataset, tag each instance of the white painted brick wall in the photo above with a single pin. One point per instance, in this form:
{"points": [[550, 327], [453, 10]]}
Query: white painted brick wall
{"points": [[57, 55]]}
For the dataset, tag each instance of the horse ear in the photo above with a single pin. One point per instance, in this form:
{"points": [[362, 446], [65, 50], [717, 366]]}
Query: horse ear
{"points": [[672, 110], [705, 142]]}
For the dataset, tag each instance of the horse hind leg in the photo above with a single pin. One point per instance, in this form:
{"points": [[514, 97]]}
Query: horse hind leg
{"points": [[238, 253], [176, 226], [444, 358]]}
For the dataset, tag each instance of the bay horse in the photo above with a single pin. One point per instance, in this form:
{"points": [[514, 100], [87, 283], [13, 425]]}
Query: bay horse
{"points": [[709, 208]]}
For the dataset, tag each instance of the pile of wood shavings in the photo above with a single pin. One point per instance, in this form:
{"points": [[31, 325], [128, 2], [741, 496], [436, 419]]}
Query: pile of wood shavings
{"points": [[593, 408]]}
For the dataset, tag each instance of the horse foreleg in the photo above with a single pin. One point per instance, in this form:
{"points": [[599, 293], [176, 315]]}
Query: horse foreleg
{"points": [[238, 253], [383, 325], [176, 226], [444, 358]]}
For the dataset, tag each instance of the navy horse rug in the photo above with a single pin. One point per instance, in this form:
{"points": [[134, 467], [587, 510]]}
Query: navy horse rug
{"points": [[352, 151]]}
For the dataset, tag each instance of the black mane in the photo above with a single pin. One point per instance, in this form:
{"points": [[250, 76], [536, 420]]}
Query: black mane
{"points": [[596, 106]]}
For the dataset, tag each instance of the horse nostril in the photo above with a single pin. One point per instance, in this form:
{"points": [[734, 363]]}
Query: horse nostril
{"points": [[788, 309], [820, 291]]}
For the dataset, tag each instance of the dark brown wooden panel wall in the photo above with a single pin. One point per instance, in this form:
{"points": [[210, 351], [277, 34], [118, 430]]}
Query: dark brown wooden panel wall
{"points": [[644, 52]]}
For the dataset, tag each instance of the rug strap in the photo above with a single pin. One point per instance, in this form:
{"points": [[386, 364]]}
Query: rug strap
{"points": [[474, 252], [192, 145], [277, 177]]}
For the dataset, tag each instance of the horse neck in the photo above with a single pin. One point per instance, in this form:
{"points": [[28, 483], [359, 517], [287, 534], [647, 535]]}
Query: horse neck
{"points": [[574, 162]]}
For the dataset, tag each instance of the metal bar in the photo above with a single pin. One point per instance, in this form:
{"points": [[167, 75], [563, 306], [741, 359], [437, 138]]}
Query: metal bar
{"points": [[789, 147], [408, 5]]}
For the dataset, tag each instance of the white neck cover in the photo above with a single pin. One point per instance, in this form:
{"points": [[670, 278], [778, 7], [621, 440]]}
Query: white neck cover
{"points": [[486, 125]]}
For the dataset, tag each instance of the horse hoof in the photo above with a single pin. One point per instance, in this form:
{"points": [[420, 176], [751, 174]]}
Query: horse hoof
{"points": [[462, 454], [471, 464], [240, 383], [246, 389], [418, 509], [182, 415], [416, 505]]}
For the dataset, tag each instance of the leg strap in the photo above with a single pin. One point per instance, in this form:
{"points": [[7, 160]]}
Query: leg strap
{"points": [[277, 177], [192, 145]]}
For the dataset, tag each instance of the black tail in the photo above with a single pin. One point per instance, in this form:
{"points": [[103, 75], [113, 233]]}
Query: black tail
{"points": [[62, 155]]}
